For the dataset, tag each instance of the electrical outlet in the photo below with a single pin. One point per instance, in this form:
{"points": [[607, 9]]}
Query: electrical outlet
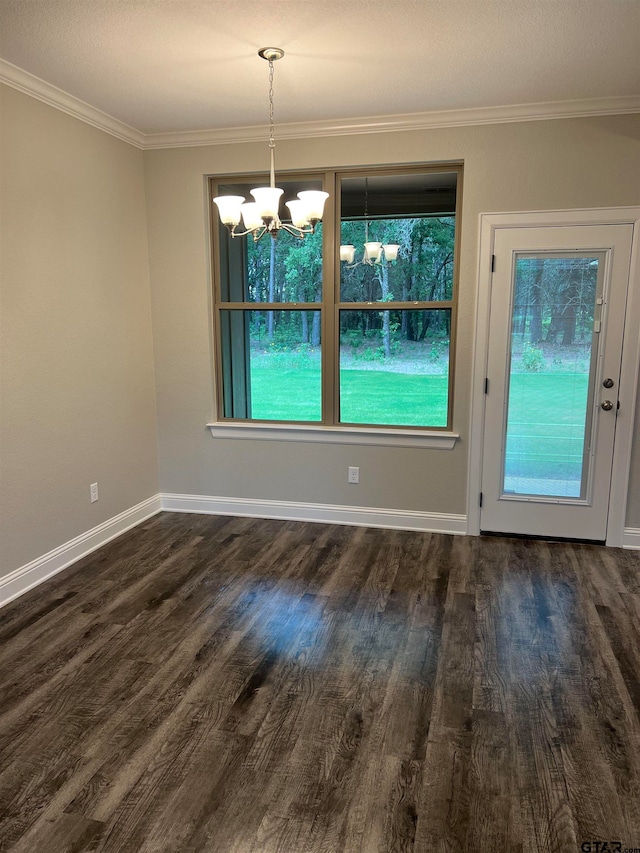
{"points": [[353, 475], [94, 492]]}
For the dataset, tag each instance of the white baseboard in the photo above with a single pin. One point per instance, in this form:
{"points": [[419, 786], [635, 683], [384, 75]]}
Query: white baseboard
{"points": [[631, 538], [26, 577], [359, 516], [30, 575]]}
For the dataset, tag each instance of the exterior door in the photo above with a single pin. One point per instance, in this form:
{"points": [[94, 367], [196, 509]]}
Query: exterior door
{"points": [[555, 347]]}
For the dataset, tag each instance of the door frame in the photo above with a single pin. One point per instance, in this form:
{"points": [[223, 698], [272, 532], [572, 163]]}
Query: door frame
{"points": [[488, 225]]}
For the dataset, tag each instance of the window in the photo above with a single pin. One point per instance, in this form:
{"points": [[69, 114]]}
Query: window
{"points": [[321, 331]]}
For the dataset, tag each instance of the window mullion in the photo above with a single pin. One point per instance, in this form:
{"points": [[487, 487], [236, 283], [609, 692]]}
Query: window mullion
{"points": [[330, 289], [395, 306]]}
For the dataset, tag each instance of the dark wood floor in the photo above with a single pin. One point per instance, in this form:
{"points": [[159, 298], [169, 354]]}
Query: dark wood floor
{"points": [[247, 686]]}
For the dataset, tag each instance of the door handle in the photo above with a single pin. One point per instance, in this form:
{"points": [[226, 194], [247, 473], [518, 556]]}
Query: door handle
{"points": [[607, 405]]}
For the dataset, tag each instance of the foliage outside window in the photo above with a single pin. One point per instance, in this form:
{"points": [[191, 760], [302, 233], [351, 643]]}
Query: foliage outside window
{"points": [[305, 338]]}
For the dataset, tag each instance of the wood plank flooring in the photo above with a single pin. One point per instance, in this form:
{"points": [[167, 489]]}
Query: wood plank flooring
{"points": [[246, 686]]}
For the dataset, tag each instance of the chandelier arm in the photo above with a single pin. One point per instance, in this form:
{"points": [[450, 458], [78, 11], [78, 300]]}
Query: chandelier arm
{"points": [[295, 231], [234, 233], [258, 233], [365, 262]]}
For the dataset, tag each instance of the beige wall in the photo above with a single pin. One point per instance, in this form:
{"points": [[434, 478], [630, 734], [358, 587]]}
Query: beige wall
{"points": [[78, 399], [540, 165]]}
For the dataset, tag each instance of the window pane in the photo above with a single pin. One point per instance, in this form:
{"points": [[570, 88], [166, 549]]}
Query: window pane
{"points": [[422, 272], [394, 367], [415, 212], [286, 269], [553, 362], [271, 365]]}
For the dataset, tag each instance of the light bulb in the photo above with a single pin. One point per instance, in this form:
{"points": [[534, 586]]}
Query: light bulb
{"points": [[372, 251], [314, 203], [251, 216], [229, 208], [268, 201], [298, 212]]}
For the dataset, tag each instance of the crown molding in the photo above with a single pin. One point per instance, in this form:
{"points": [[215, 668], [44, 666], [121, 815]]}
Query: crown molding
{"points": [[406, 121], [28, 83]]}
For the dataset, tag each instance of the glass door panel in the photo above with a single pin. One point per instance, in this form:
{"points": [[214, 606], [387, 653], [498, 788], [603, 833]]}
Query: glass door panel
{"points": [[555, 326]]}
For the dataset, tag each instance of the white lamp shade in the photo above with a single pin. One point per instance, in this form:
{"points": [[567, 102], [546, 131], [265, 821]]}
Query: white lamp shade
{"points": [[268, 201], [251, 216], [347, 253], [314, 202], [391, 251], [229, 208], [298, 212], [372, 251]]}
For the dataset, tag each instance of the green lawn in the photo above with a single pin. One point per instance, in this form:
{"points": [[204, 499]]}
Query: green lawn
{"points": [[373, 397], [286, 394], [366, 396]]}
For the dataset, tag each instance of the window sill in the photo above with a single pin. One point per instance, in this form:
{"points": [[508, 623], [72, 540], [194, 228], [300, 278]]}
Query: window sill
{"points": [[335, 435]]}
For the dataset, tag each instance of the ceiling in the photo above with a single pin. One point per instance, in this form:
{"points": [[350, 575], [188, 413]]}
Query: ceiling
{"points": [[176, 66]]}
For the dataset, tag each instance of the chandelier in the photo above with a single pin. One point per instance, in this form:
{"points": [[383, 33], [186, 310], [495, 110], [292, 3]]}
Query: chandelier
{"points": [[260, 216], [374, 252]]}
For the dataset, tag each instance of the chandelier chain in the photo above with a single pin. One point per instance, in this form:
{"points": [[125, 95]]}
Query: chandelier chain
{"points": [[366, 210], [272, 143]]}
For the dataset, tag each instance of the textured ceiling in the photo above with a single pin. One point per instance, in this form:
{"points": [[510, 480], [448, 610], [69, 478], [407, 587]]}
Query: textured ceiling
{"points": [[187, 65]]}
